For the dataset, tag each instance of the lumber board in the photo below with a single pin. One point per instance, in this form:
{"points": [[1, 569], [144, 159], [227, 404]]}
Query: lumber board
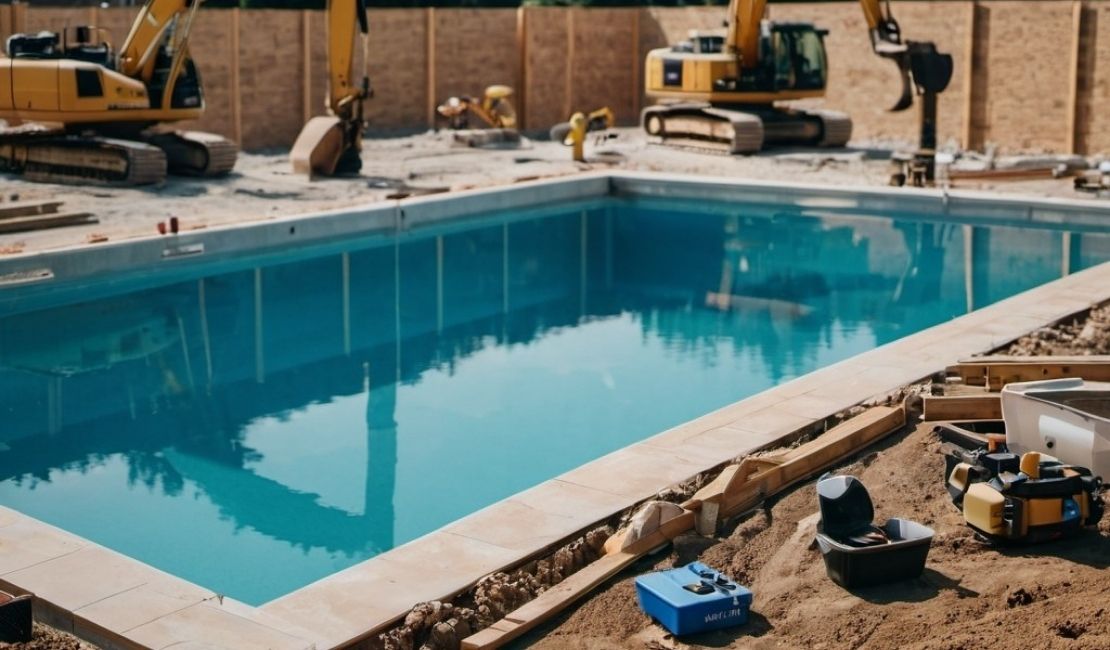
{"points": [[44, 221], [28, 208], [962, 407], [995, 372], [798, 464], [549, 603]]}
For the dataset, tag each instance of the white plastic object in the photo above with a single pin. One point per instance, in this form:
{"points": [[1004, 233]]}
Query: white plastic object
{"points": [[1068, 419]]}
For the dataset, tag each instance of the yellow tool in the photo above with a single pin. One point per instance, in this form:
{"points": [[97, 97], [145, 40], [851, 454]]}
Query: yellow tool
{"points": [[332, 144], [81, 113], [494, 108], [1028, 498], [572, 133], [722, 88]]}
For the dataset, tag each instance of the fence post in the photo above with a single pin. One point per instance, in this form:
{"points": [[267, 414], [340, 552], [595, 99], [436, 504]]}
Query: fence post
{"points": [[1071, 145], [233, 78], [306, 63], [568, 79], [637, 65], [970, 137], [430, 63], [522, 71]]}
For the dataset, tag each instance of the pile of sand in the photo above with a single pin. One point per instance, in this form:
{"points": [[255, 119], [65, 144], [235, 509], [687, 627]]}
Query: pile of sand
{"points": [[971, 595]]}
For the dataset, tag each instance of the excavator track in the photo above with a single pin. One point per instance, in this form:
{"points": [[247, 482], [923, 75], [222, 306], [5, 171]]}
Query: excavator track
{"points": [[54, 158], [196, 153], [742, 131]]}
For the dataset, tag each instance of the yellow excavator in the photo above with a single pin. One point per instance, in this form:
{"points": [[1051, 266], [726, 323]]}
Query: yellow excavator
{"points": [[331, 145], [720, 89], [78, 111]]}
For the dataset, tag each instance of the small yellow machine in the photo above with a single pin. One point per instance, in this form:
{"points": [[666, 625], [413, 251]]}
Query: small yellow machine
{"points": [[79, 112], [572, 133], [332, 145], [721, 88], [1028, 498], [495, 109]]}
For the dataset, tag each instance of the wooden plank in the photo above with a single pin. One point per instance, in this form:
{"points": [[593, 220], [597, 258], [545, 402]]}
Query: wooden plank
{"points": [[234, 87], [807, 460], [550, 602], [306, 65], [969, 77], [997, 371], [1073, 75], [430, 65], [42, 222], [1005, 174], [522, 70], [28, 208], [962, 407]]}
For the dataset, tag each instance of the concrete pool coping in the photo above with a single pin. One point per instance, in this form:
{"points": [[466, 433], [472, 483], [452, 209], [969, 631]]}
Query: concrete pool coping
{"points": [[116, 601]]}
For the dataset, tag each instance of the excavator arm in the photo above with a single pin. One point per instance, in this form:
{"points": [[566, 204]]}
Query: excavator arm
{"points": [[140, 49], [332, 144], [919, 64]]}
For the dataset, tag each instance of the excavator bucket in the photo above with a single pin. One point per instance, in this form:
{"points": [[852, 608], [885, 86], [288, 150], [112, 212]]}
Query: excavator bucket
{"points": [[905, 100], [319, 147]]}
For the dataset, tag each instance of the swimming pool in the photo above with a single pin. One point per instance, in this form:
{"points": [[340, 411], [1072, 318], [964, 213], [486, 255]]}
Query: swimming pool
{"points": [[254, 425]]}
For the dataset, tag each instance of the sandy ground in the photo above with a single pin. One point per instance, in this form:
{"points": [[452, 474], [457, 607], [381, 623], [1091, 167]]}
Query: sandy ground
{"points": [[262, 186], [45, 638], [972, 595]]}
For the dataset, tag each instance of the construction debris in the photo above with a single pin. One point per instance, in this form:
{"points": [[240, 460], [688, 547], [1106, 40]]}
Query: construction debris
{"points": [[24, 216]]}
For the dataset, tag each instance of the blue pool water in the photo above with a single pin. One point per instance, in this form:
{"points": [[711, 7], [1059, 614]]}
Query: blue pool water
{"points": [[256, 429]]}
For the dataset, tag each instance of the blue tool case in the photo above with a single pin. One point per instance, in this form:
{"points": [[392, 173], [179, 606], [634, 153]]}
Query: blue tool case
{"points": [[693, 598]]}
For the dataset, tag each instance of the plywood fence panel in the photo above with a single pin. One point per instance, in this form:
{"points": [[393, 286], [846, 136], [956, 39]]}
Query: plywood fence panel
{"points": [[605, 65], [317, 52], [1028, 58], [397, 67], [474, 48], [546, 30]]}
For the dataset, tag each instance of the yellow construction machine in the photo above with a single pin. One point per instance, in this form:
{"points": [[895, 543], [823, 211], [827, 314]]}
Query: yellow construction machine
{"points": [[494, 108], [78, 111], [332, 144], [721, 88]]}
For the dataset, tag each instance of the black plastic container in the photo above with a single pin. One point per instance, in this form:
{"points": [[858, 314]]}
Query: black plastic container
{"points": [[847, 512]]}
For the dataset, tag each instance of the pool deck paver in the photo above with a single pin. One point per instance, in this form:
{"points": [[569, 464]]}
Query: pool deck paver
{"points": [[121, 602]]}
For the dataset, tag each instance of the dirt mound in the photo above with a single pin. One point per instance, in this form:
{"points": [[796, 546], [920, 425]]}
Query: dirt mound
{"points": [[971, 595], [1081, 336]]}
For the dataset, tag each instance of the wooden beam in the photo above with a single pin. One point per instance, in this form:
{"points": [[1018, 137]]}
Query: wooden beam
{"points": [[306, 64], [233, 80], [430, 64], [637, 67], [997, 371], [1073, 76], [962, 407], [28, 208], [969, 76], [550, 602], [44, 221], [568, 73], [523, 71]]}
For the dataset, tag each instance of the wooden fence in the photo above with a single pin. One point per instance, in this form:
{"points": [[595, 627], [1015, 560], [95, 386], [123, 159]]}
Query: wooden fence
{"points": [[1030, 76]]}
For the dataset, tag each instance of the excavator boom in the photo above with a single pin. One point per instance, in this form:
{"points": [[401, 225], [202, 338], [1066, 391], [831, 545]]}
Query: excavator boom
{"points": [[332, 144]]}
